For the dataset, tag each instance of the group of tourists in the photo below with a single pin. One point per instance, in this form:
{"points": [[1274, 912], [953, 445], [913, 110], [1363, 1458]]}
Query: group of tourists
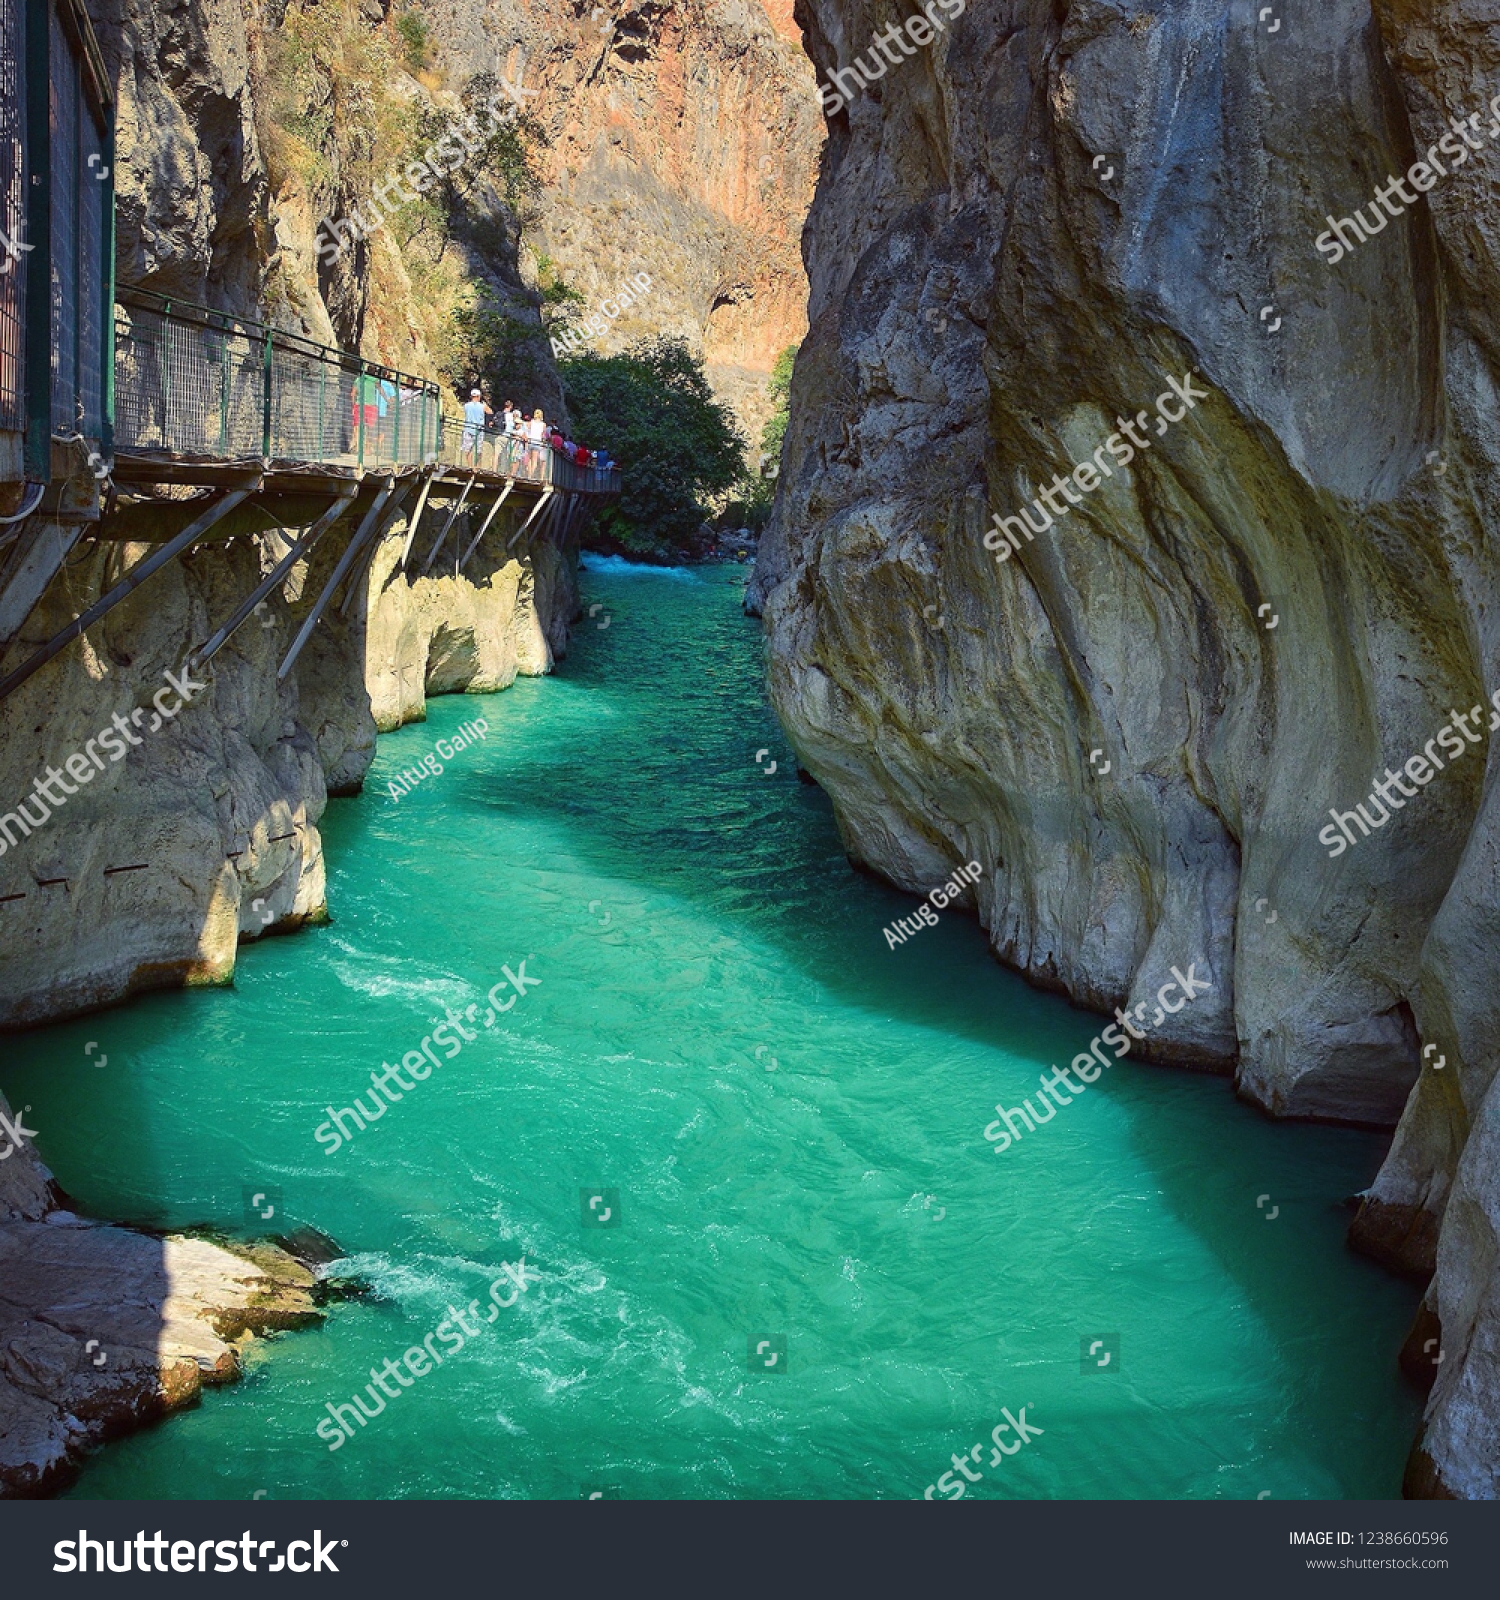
{"points": [[519, 440]]}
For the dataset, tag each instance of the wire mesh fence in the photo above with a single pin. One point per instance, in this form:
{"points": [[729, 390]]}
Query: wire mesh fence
{"points": [[489, 449], [194, 382]]}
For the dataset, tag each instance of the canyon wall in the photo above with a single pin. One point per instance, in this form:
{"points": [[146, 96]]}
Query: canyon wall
{"points": [[685, 144], [1138, 718], [205, 834]]}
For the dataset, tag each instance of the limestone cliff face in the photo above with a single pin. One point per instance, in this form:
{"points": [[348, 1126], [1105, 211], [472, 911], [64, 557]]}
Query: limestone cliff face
{"points": [[1021, 235], [206, 834], [685, 145]]}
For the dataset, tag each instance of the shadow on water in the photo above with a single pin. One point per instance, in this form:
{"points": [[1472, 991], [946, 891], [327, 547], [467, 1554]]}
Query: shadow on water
{"points": [[709, 844]]}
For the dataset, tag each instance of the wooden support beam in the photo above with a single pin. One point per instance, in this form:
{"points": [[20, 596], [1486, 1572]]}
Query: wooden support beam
{"points": [[344, 563], [547, 494], [484, 526], [416, 516], [30, 568], [442, 537], [130, 582], [357, 574], [566, 520], [206, 652]]}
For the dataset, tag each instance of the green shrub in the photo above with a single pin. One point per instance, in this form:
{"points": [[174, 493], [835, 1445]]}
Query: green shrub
{"points": [[416, 38], [679, 448]]}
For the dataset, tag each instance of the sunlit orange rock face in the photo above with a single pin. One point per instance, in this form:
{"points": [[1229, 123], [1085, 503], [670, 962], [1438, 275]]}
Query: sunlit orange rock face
{"points": [[685, 144], [780, 13]]}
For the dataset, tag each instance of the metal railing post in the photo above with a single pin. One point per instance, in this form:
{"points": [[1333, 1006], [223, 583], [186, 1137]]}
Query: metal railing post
{"points": [[266, 398], [359, 406], [165, 364], [223, 391]]}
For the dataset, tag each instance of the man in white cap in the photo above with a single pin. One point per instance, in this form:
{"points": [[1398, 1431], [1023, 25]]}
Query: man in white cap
{"points": [[476, 413]]}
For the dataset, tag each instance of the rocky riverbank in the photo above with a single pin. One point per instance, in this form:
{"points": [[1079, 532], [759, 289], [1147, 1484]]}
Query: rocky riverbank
{"points": [[103, 1328]]}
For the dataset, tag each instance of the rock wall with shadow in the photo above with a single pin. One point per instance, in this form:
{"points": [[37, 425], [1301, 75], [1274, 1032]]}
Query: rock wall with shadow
{"points": [[104, 1329], [1046, 225]]}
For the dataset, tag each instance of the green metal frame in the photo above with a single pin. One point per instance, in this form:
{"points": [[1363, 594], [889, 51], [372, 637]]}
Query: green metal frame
{"points": [[38, 79], [98, 100]]}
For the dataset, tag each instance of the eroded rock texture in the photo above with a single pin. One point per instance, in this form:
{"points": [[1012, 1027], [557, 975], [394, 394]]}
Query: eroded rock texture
{"points": [[103, 1329], [205, 833], [1021, 235], [685, 144]]}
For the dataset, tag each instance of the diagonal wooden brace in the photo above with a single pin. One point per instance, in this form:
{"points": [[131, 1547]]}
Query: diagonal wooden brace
{"points": [[206, 652], [510, 484], [127, 585], [547, 494], [357, 569], [416, 516], [442, 537]]}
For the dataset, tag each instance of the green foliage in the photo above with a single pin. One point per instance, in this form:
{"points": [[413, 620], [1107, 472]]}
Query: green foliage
{"points": [[779, 390], [488, 347], [558, 297], [415, 33], [679, 449], [504, 147], [753, 509]]}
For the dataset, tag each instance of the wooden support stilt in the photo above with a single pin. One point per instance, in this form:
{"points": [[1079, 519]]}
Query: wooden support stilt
{"points": [[345, 562], [442, 537], [362, 566], [416, 516], [207, 651], [484, 526], [547, 494], [569, 522], [127, 585], [31, 567]]}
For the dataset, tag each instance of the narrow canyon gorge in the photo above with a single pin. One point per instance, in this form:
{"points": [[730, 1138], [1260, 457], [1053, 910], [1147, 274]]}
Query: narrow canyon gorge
{"points": [[1138, 714]]}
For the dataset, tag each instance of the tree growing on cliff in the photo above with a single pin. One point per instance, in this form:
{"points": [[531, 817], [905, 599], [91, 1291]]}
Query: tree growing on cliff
{"points": [[779, 393], [680, 449], [753, 508]]}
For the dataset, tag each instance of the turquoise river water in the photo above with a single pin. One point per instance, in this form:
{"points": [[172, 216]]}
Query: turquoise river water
{"points": [[789, 1113]]}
